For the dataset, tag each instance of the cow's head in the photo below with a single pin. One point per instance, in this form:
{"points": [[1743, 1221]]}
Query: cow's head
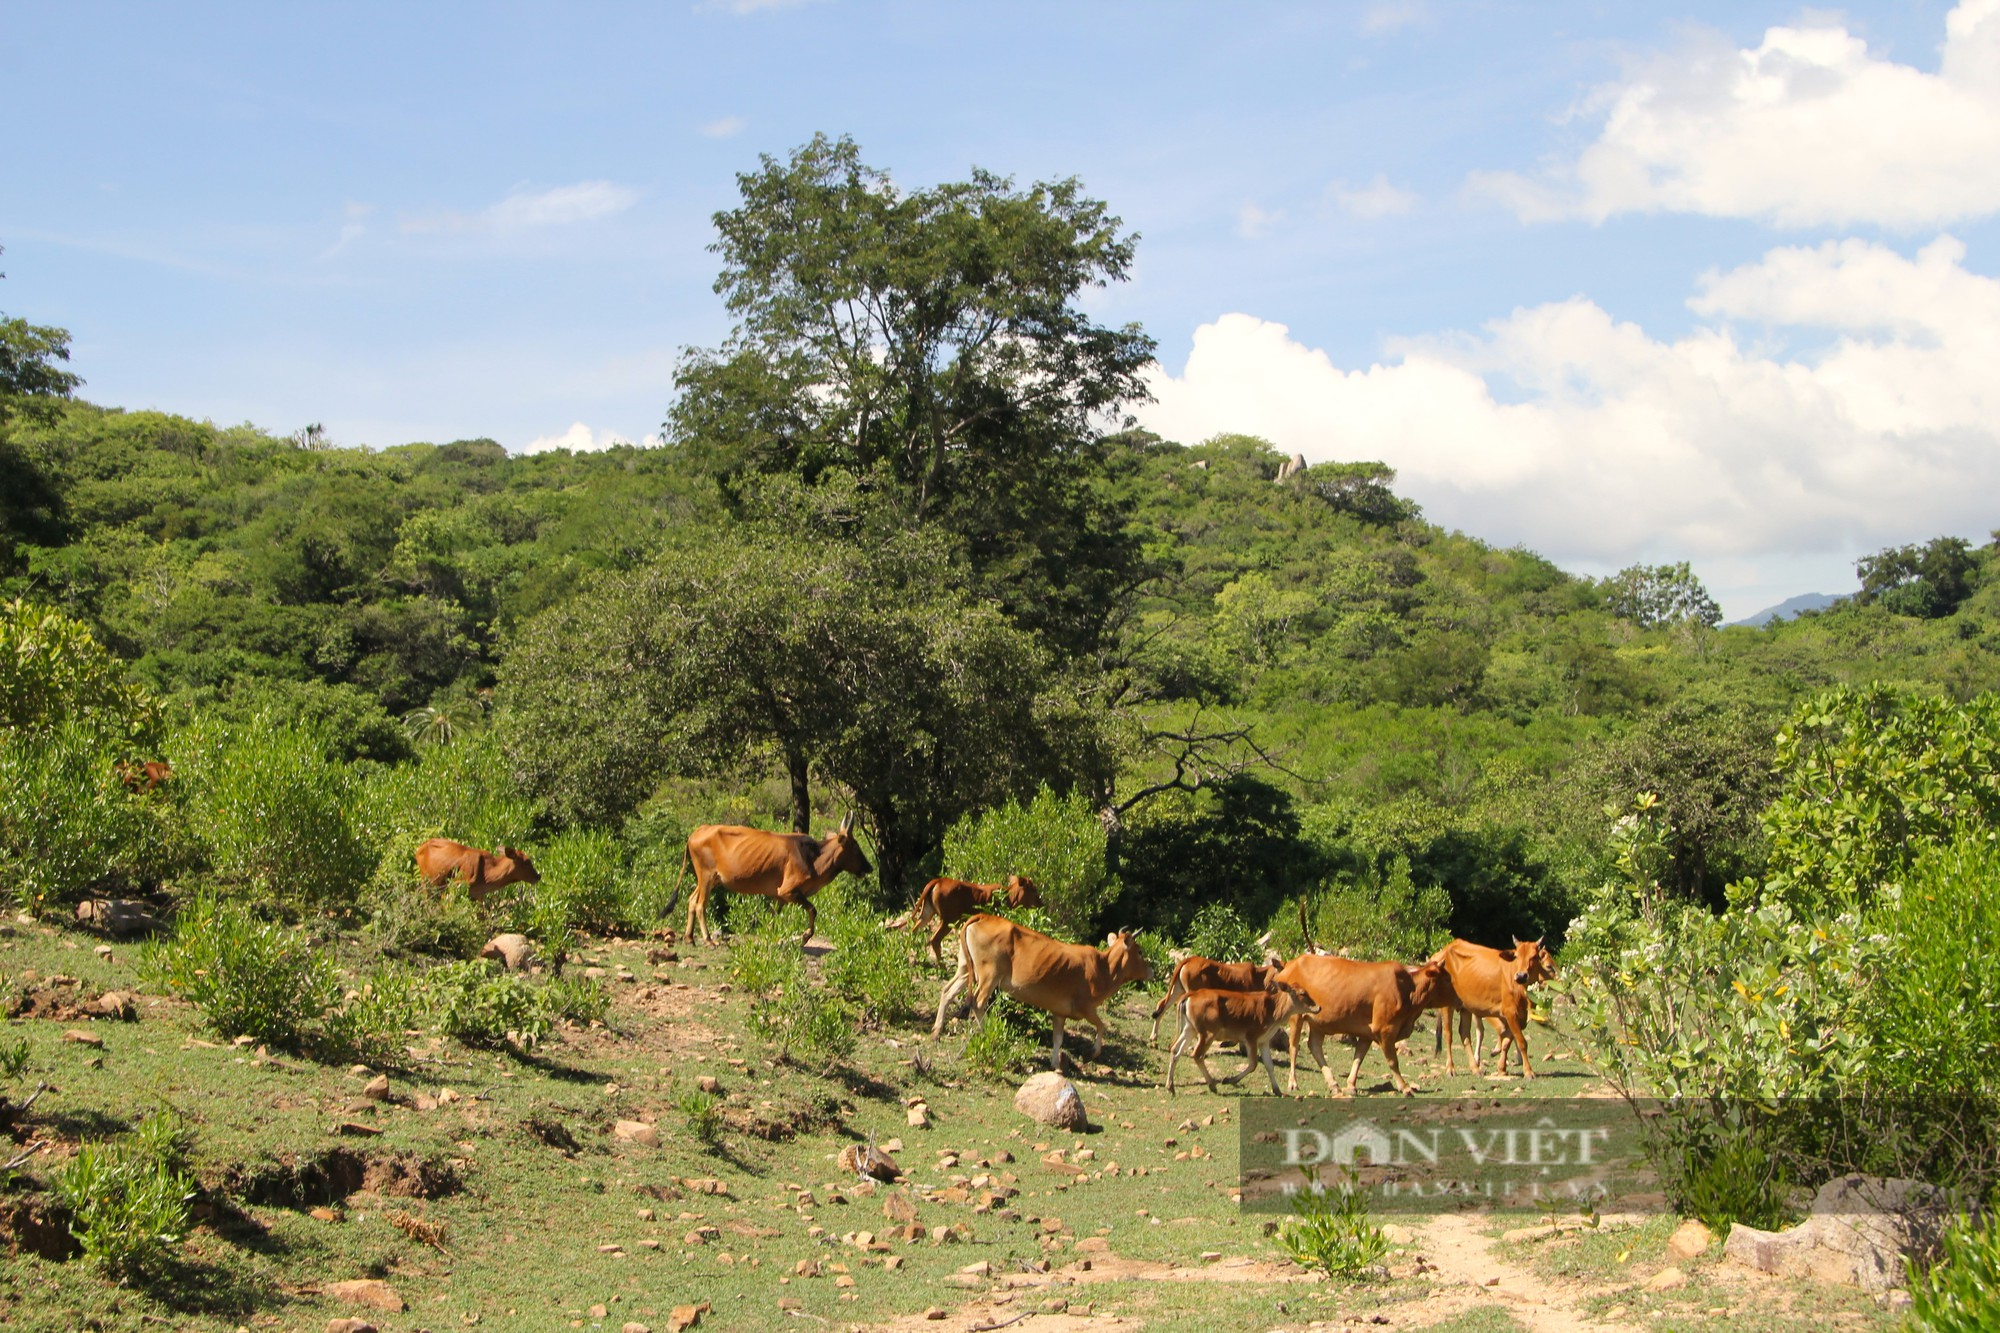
{"points": [[1532, 963], [1427, 982], [1294, 1000], [1021, 892], [841, 850], [1128, 963], [525, 867]]}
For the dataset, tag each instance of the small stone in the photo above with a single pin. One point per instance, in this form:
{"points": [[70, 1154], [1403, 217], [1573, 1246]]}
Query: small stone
{"points": [[980, 1269], [324, 1214], [919, 1117], [1210, 1256], [634, 1326], [84, 1038], [637, 1131], [645, 1214], [1690, 1238], [356, 1130], [844, 1280], [708, 1083], [935, 1312], [349, 1326], [377, 1088], [1666, 1280]]}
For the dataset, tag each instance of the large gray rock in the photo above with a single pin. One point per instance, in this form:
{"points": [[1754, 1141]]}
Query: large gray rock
{"points": [[1291, 467], [1859, 1232], [515, 952], [1053, 1100]]}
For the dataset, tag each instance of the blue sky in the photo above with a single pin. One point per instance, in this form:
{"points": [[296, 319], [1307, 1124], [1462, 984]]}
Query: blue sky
{"points": [[1617, 281]]}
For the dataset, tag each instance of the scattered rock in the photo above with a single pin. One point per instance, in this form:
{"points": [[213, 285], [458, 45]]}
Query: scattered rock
{"points": [[708, 1083], [84, 1038], [1859, 1233], [354, 1129], [637, 1131], [683, 1317], [377, 1089], [349, 1326], [897, 1207], [122, 1005], [919, 1116], [869, 1160], [1093, 1245], [324, 1214], [936, 1312], [1690, 1238], [369, 1292], [1666, 1280], [1397, 1235], [117, 916], [1051, 1099], [633, 1326]]}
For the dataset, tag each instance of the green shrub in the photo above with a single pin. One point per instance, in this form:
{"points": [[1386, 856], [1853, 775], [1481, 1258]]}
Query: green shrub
{"points": [[376, 1018], [869, 967], [1380, 914], [408, 916], [812, 1027], [1329, 1230], [272, 810], [459, 791], [480, 1007], [130, 1201], [1057, 841], [1725, 1174], [53, 673], [579, 1000], [1961, 1292], [1001, 1045], [766, 958], [67, 824], [1219, 932], [13, 1057], [582, 887], [703, 1113], [248, 977]]}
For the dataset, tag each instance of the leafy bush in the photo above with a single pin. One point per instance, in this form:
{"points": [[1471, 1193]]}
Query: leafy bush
{"points": [[13, 1057], [406, 915], [130, 1200], [1725, 1173], [1961, 1292], [581, 885], [703, 1113], [869, 967], [473, 1004], [273, 810], [1219, 932], [1002, 1044], [576, 999], [53, 672], [1378, 914], [1329, 1230], [248, 977], [377, 1016], [67, 823], [1057, 841]]}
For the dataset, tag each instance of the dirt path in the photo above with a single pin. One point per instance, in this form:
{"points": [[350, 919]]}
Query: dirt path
{"points": [[1470, 1274]]}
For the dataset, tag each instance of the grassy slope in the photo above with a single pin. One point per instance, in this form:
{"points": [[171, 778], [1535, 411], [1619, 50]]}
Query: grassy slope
{"points": [[523, 1234]]}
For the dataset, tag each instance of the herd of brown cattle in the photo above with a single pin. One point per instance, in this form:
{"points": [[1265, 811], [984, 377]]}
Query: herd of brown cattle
{"points": [[1312, 997]]}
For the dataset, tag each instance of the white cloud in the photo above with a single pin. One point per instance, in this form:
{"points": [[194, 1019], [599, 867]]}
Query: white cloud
{"points": [[1805, 129], [1253, 221], [1389, 15], [724, 128], [1594, 443], [578, 439], [525, 210], [1377, 199]]}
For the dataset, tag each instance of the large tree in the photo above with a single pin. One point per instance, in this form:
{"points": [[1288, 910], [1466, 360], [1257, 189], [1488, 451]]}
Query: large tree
{"points": [[931, 344], [33, 387], [866, 665]]}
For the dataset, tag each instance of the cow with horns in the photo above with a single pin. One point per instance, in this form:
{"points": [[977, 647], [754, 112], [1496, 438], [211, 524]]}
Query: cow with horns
{"points": [[790, 867]]}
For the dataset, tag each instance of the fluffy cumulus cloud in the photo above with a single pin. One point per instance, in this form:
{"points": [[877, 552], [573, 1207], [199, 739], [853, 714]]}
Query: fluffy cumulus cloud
{"points": [[1808, 128], [1595, 443], [1377, 199], [578, 439], [530, 210]]}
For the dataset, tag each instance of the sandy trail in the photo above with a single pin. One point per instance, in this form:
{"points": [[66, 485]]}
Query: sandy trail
{"points": [[1455, 1246]]}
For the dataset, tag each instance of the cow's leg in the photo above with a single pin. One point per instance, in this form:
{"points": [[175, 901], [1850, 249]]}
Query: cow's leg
{"points": [[1520, 1040], [952, 988], [1317, 1042], [1388, 1039], [1360, 1048], [1099, 1031], [1444, 1043], [1292, 1040], [937, 941], [812, 921], [1252, 1049], [1264, 1053], [1173, 1056], [1199, 1054], [1055, 1045]]}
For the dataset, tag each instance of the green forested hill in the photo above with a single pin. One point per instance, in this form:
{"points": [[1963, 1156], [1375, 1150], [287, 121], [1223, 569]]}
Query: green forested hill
{"points": [[1357, 699]]}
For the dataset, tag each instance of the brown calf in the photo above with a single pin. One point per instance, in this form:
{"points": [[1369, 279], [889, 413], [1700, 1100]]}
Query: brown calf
{"points": [[1251, 1017], [441, 860], [950, 901], [1198, 973], [144, 776], [1364, 1004], [1065, 981]]}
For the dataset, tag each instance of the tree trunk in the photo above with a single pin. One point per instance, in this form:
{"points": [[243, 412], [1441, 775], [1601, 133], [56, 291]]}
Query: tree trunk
{"points": [[796, 765]]}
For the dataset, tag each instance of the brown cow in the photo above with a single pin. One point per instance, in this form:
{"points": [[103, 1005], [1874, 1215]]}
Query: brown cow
{"points": [[1364, 1003], [1197, 973], [1492, 983], [790, 867], [1064, 981], [953, 900], [144, 776], [1251, 1017], [440, 860]]}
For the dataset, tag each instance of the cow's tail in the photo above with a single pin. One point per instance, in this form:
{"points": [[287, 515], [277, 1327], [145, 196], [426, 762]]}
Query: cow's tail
{"points": [[1305, 931], [1173, 992], [674, 898], [920, 911]]}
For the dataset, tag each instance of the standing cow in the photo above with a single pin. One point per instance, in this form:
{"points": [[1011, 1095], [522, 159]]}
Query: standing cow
{"points": [[441, 860], [790, 867], [1364, 1004], [1064, 981], [1492, 983]]}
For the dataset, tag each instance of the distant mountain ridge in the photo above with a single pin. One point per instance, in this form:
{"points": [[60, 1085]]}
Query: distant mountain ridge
{"points": [[1791, 606]]}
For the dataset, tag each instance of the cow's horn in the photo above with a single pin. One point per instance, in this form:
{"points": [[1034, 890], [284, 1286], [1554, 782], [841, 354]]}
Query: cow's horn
{"points": [[848, 822]]}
